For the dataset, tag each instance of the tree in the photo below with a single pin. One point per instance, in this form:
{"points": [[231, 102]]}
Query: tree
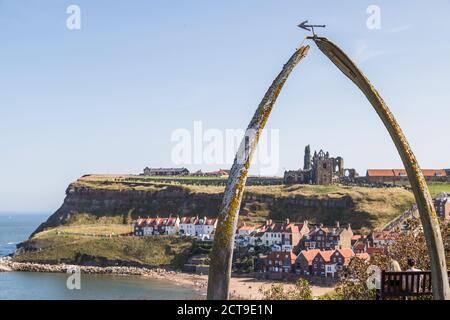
{"points": [[301, 291], [411, 244]]}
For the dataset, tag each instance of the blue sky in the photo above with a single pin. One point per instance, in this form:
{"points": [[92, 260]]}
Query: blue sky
{"points": [[106, 98]]}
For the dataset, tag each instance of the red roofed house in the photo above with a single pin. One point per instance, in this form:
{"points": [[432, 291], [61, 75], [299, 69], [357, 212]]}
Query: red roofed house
{"points": [[360, 246], [204, 227], [155, 226], [286, 235], [338, 261], [328, 238], [382, 238], [187, 225], [321, 259], [282, 262], [170, 226], [400, 175], [303, 264]]}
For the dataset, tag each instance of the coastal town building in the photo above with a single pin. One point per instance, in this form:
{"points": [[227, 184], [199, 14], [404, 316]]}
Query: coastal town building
{"points": [[284, 236], [400, 175], [304, 262], [187, 226], [156, 226], [204, 227], [323, 263], [280, 262], [380, 239], [327, 238]]}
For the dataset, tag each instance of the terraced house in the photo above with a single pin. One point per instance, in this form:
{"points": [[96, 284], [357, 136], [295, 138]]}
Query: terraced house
{"points": [[284, 235], [204, 227], [157, 226], [327, 238], [280, 262], [327, 263], [304, 262]]}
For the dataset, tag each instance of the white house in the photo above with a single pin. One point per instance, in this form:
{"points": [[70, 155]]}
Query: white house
{"points": [[272, 234], [187, 226], [204, 227], [172, 225]]}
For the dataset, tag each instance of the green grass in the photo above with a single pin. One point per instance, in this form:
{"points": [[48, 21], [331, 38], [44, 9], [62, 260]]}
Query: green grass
{"points": [[90, 229], [155, 251], [438, 187]]}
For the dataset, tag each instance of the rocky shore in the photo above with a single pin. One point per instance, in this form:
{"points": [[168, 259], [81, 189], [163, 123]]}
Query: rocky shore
{"points": [[8, 265]]}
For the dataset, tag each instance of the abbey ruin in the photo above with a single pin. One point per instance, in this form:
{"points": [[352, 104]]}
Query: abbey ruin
{"points": [[319, 169]]}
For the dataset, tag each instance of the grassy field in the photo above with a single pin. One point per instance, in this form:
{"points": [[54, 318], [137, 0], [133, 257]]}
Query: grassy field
{"points": [[156, 251], [94, 229], [438, 187]]}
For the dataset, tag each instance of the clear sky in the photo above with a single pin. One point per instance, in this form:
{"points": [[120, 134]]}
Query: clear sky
{"points": [[107, 98]]}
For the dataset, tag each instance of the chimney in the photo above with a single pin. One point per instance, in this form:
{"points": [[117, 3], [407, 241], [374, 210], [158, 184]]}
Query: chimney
{"points": [[287, 220], [337, 225], [321, 225]]}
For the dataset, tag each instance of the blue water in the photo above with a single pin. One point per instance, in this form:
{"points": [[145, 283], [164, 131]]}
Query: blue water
{"points": [[15, 228], [52, 286]]}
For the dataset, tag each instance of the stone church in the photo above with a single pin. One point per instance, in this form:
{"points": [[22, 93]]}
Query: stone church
{"points": [[319, 169]]}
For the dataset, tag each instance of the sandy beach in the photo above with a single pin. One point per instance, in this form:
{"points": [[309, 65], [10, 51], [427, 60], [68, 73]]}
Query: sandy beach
{"points": [[243, 287]]}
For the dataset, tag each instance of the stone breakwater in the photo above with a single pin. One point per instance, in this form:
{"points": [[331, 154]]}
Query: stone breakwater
{"points": [[8, 265]]}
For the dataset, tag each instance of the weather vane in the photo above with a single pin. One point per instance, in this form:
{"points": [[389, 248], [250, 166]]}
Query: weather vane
{"points": [[310, 27]]}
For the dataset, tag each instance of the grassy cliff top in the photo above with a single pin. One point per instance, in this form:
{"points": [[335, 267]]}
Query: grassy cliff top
{"points": [[128, 182]]}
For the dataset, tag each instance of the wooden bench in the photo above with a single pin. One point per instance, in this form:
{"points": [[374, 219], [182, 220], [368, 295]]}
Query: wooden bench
{"points": [[404, 284]]}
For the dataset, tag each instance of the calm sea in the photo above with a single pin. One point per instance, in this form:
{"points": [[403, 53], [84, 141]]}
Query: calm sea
{"points": [[15, 228]]}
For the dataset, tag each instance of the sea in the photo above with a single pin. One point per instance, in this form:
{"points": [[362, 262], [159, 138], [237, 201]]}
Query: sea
{"points": [[16, 227]]}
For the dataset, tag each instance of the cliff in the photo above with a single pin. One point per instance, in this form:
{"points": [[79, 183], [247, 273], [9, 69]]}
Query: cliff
{"points": [[125, 197]]}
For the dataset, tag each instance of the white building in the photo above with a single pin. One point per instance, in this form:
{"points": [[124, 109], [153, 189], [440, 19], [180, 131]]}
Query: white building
{"points": [[204, 227], [172, 226], [187, 226]]}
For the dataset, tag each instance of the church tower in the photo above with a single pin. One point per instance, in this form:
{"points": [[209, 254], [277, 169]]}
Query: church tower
{"points": [[307, 159]]}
